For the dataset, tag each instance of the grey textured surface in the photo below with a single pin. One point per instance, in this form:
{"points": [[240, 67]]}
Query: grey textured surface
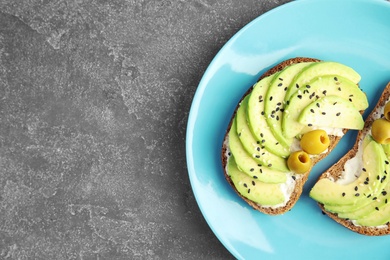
{"points": [[95, 97]]}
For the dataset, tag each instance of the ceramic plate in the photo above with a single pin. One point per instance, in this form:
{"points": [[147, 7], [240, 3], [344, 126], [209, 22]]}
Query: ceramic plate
{"points": [[356, 33]]}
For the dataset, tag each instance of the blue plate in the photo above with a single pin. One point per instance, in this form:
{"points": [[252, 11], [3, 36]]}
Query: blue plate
{"points": [[356, 33]]}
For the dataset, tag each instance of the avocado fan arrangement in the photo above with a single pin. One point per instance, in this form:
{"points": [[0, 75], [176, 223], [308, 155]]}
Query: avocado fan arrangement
{"points": [[289, 120]]}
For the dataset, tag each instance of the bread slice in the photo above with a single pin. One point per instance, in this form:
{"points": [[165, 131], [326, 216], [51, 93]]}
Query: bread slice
{"points": [[336, 170], [299, 182]]}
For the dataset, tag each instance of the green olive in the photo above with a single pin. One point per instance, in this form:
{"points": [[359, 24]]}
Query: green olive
{"points": [[380, 131], [315, 142], [299, 162], [387, 111]]}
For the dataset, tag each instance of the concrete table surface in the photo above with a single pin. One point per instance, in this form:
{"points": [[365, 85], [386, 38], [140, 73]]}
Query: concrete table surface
{"points": [[94, 101]]}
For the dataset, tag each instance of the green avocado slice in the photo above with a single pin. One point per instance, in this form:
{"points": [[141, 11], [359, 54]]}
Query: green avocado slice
{"points": [[254, 147], [247, 163], [317, 88], [274, 99], [319, 69], [369, 182], [380, 215], [266, 194], [332, 111], [258, 122]]}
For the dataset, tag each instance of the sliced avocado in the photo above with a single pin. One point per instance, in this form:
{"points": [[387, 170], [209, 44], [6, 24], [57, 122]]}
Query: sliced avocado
{"points": [[266, 194], [370, 202], [258, 122], [317, 88], [274, 100], [369, 205], [319, 69], [369, 182], [332, 111], [386, 148], [247, 164], [254, 147], [380, 215]]}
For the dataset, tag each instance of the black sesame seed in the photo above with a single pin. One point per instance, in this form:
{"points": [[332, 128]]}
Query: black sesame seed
{"points": [[368, 196], [252, 169], [357, 194], [263, 141], [258, 149], [387, 162], [309, 124], [254, 177], [377, 208], [384, 193], [285, 89], [261, 135], [279, 104], [277, 109], [288, 102], [270, 98], [351, 95], [386, 201], [339, 89], [324, 92], [350, 99], [245, 185], [334, 103], [249, 191], [253, 183], [378, 177], [335, 78], [277, 118], [318, 104], [338, 114], [270, 165], [281, 79], [262, 113], [257, 156], [356, 188], [312, 110], [308, 86], [293, 177], [280, 84], [374, 198], [323, 113], [367, 179], [364, 169], [299, 96], [343, 194], [366, 182], [261, 170], [296, 85]]}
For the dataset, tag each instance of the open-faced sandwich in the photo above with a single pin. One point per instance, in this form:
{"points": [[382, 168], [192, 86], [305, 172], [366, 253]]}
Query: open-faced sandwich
{"points": [[355, 191], [284, 124]]}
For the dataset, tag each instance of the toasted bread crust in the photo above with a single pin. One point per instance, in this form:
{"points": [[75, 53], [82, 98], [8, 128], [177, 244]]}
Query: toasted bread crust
{"points": [[335, 171], [299, 181]]}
